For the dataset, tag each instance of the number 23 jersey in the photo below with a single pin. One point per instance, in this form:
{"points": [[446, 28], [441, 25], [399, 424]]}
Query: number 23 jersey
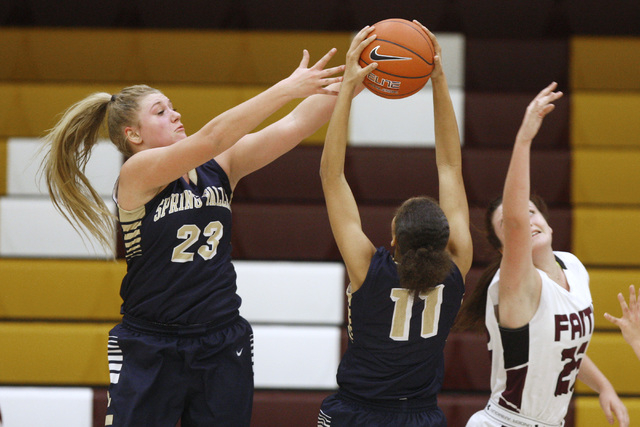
{"points": [[178, 252], [534, 368]]}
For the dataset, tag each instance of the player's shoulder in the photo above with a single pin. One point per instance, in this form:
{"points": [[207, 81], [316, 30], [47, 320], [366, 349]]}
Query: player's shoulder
{"points": [[568, 259]]}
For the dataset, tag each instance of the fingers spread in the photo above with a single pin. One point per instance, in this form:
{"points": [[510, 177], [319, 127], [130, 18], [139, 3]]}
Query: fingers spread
{"points": [[325, 59]]}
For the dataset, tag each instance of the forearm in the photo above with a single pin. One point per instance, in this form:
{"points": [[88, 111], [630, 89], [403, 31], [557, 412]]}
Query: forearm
{"points": [[447, 136], [313, 112], [517, 188], [227, 128], [333, 154], [592, 376]]}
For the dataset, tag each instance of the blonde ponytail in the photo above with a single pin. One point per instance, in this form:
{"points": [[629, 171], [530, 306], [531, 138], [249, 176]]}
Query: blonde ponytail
{"points": [[69, 144]]}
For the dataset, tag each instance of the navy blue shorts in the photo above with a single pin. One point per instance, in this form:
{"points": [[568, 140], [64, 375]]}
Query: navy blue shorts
{"points": [[339, 411], [204, 379]]}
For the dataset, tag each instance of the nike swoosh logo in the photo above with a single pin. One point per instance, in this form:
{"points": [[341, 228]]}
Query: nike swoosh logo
{"points": [[375, 56], [239, 352]]}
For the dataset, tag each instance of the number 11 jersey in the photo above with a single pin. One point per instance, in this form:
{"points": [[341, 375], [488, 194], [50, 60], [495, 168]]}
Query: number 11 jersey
{"points": [[396, 340]]}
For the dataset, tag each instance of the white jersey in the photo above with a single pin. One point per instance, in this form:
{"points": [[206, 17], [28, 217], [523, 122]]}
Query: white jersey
{"points": [[534, 368]]}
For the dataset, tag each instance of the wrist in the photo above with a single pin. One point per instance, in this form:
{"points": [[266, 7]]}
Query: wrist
{"points": [[281, 90]]}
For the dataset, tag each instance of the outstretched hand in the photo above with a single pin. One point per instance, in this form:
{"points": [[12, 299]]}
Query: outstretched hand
{"points": [[537, 110], [629, 323], [306, 81], [353, 72]]}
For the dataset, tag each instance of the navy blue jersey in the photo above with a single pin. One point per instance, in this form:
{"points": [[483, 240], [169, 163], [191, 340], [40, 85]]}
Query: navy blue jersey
{"points": [[396, 342], [178, 251]]}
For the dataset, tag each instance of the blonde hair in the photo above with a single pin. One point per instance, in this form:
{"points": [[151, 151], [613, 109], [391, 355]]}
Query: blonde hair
{"points": [[69, 144]]}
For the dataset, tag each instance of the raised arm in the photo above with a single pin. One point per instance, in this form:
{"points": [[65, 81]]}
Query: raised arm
{"points": [[258, 149], [147, 171], [520, 283], [452, 195], [356, 249]]}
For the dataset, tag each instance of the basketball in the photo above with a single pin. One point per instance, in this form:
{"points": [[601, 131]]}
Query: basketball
{"points": [[404, 54]]}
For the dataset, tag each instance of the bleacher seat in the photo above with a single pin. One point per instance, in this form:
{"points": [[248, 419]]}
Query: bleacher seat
{"points": [[467, 363], [605, 176], [315, 292], [607, 236], [605, 63], [605, 119], [25, 155], [605, 284], [431, 14], [509, 65], [25, 220], [405, 122], [283, 16], [189, 14], [50, 406], [506, 19], [588, 17], [58, 290], [588, 412], [47, 14], [485, 170], [492, 119], [90, 55]]}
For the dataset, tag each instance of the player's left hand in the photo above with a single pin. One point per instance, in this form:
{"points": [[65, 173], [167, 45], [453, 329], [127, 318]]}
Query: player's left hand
{"points": [[437, 55]]}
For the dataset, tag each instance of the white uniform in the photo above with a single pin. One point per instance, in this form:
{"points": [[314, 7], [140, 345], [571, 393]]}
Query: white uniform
{"points": [[534, 368]]}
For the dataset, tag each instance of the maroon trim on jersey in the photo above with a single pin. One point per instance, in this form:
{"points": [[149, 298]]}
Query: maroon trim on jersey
{"points": [[512, 395]]}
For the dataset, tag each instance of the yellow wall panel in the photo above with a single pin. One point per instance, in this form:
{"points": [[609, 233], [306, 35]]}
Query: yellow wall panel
{"points": [[588, 412], [26, 114], [617, 361], [605, 63], [605, 176], [60, 289], [605, 285], [54, 353], [156, 56], [605, 119], [607, 236]]}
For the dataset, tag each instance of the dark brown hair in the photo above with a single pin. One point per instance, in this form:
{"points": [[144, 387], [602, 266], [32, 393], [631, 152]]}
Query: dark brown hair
{"points": [[422, 234], [472, 313]]}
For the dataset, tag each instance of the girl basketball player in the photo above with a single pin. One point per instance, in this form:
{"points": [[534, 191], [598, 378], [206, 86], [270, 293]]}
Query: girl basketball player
{"points": [[182, 351], [536, 307], [401, 304]]}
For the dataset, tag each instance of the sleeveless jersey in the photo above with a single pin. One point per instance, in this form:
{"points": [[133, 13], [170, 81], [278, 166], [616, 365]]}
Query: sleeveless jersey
{"points": [[396, 342], [534, 368], [178, 252]]}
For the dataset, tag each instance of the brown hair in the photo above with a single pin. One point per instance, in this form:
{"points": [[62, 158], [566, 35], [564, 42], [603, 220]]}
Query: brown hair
{"points": [[422, 234], [472, 313], [69, 144]]}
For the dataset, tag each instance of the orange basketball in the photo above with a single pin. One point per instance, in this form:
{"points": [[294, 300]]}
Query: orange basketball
{"points": [[404, 54]]}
